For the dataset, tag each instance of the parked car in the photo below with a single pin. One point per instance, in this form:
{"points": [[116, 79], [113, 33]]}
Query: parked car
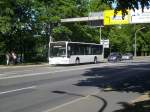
{"points": [[127, 56], [114, 57]]}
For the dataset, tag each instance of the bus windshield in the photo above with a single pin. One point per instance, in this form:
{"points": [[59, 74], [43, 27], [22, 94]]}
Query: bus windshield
{"points": [[57, 50]]}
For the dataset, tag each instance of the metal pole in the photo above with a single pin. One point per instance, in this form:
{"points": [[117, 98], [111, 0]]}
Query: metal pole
{"points": [[50, 40], [100, 40], [135, 45], [100, 34], [89, 7], [135, 49]]}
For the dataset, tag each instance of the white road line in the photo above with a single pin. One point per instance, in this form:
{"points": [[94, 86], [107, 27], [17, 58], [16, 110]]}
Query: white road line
{"points": [[68, 103], [45, 73], [15, 72], [2, 74], [15, 90], [65, 104]]}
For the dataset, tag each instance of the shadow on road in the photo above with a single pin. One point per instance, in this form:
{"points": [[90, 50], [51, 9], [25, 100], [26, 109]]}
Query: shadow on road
{"points": [[64, 92], [131, 78], [143, 106]]}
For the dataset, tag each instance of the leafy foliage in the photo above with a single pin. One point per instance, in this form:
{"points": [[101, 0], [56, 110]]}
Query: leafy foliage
{"points": [[26, 25], [123, 5]]}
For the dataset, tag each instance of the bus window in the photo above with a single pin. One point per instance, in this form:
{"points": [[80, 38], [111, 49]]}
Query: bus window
{"points": [[57, 50], [82, 50], [96, 50], [88, 50]]}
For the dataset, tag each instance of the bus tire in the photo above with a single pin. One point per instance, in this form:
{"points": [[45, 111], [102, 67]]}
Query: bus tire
{"points": [[77, 62], [95, 60]]}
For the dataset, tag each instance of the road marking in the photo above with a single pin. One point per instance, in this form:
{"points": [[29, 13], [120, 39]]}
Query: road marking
{"points": [[15, 90], [65, 104], [2, 74], [15, 72], [45, 73], [68, 103]]}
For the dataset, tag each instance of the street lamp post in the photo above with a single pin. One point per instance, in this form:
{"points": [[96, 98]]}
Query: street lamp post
{"points": [[135, 54], [100, 35], [50, 40]]}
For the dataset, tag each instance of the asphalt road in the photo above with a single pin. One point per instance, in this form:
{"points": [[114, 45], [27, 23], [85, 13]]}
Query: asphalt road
{"points": [[99, 87]]}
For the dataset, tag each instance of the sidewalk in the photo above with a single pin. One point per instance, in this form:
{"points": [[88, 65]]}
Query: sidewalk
{"points": [[144, 97], [84, 104], [95, 103], [23, 65], [101, 102], [141, 57]]}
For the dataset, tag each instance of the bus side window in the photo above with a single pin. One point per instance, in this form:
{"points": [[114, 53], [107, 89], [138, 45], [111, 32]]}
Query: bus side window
{"points": [[95, 50], [76, 50], [88, 51], [82, 50], [100, 49]]}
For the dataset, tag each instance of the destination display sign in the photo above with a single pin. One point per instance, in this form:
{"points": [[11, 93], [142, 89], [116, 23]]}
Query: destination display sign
{"points": [[138, 16]]}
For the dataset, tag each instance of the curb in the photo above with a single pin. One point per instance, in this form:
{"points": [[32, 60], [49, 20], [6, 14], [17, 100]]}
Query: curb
{"points": [[19, 66], [144, 97], [141, 57]]}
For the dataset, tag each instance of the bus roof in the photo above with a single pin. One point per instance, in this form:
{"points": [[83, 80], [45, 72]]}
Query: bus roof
{"points": [[75, 42]]}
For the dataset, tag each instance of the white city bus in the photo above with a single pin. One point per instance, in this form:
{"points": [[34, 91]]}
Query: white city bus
{"points": [[65, 52]]}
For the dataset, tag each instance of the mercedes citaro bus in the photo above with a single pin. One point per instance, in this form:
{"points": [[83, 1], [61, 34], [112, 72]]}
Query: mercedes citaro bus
{"points": [[65, 52]]}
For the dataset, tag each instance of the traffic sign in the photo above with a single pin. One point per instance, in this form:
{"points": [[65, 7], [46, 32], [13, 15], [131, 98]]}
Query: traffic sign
{"points": [[105, 43]]}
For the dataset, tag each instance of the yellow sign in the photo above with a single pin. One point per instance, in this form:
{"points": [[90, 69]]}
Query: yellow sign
{"points": [[109, 18]]}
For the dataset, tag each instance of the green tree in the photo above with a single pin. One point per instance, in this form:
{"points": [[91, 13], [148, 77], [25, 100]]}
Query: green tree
{"points": [[120, 38], [123, 5], [143, 39], [98, 5]]}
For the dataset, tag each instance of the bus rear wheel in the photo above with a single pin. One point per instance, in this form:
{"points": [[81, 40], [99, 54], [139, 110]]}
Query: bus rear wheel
{"points": [[95, 60], [77, 62]]}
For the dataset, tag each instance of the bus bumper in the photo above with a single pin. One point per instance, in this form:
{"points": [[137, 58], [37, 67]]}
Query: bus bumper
{"points": [[59, 61]]}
